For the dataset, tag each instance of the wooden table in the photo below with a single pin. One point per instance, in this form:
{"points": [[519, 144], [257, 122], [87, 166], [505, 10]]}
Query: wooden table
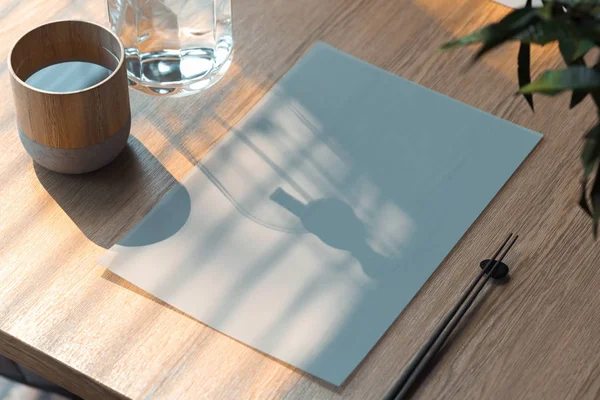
{"points": [[81, 326]]}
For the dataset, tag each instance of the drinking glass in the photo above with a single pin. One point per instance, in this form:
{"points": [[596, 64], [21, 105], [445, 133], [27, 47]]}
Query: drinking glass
{"points": [[173, 47]]}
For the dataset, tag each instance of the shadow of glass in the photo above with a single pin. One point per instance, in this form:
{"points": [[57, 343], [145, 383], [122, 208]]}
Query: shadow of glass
{"points": [[334, 222], [106, 203]]}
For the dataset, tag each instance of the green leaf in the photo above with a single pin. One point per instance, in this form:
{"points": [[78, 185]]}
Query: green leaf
{"points": [[573, 49], [595, 197], [576, 98], [524, 66], [583, 47], [588, 28], [576, 5], [572, 78], [526, 30], [524, 70], [528, 4], [578, 95], [591, 151], [583, 202], [567, 49], [573, 3], [589, 157], [596, 97], [475, 37], [498, 32], [543, 32]]}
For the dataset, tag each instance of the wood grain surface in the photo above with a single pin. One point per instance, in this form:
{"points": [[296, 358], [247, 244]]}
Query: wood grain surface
{"points": [[74, 322], [76, 119]]}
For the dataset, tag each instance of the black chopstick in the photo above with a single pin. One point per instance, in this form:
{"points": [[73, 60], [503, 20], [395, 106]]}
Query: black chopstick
{"points": [[440, 328], [412, 371]]}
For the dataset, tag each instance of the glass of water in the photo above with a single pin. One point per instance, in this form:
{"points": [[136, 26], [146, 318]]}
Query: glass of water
{"points": [[173, 47]]}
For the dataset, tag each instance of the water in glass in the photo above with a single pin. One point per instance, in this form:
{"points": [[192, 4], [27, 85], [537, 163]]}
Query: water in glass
{"points": [[173, 47]]}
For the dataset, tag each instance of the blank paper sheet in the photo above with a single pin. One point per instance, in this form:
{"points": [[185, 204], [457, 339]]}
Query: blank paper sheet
{"points": [[307, 230]]}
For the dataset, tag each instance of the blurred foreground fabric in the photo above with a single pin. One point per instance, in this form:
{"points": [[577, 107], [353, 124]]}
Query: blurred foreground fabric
{"points": [[19, 383]]}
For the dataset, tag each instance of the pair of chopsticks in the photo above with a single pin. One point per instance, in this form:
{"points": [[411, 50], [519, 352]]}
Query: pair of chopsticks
{"points": [[410, 374]]}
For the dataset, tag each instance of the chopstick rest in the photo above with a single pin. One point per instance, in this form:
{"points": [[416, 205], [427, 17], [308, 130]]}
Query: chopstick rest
{"points": [[501, 272]]}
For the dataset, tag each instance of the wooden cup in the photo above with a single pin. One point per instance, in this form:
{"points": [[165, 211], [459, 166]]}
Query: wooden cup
{"points": [[79, 131]]}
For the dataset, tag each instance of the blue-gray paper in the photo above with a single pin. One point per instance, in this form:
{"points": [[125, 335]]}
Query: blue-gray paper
{"points": [[312, 224]]}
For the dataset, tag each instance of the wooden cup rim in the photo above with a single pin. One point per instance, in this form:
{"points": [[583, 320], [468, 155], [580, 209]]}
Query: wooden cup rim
{"points": [[121, 57]]}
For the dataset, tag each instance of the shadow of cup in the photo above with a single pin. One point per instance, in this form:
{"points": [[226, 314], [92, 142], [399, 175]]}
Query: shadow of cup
{"points": [[107, 203]]}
